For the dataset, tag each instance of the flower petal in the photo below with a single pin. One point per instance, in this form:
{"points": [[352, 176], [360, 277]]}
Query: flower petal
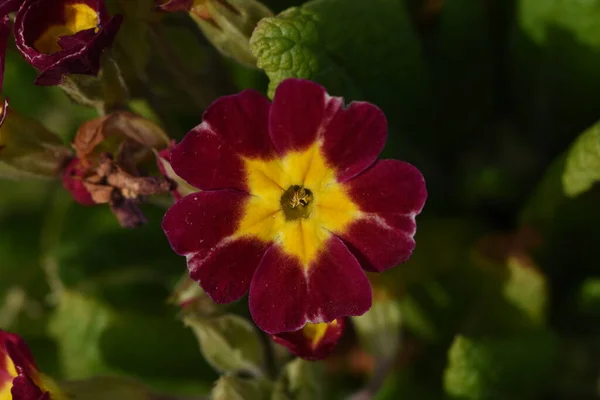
{"points": [[201, 221], [72, 180], [284, 295], [313, 341], [389, 195], [4, 34], [25, 389], [60, 37], [226, 272], [8, 6], [200, 226], [300, 109], [212, 155], [351, 138]]}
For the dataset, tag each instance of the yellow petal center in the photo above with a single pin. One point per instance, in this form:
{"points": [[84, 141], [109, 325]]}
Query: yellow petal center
{"points": [[316, 332], [299, 181], [7, 385], [78, 17]]}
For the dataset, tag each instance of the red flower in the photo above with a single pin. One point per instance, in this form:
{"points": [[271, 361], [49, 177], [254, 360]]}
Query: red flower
{"points": [[61, 37], [294, 203], [313, 341], [19, 377]]}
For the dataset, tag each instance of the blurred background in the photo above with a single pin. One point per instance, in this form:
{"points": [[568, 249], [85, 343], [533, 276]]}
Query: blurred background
{"points": [[495, 101]]}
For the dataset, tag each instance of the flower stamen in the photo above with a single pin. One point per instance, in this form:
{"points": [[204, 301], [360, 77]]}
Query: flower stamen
{"points": [[296, 202]]}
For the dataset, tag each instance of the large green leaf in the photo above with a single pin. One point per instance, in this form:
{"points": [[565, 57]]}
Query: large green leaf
{"points": [[514, 367], [582, 167], [556, 63], [363, 50]]}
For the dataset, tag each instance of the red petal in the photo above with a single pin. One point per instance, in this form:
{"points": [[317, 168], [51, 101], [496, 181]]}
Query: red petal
{"points": [[4, 34], [72, 180], [200, 226], [300, 108], [25, 389], [210, 156], [390, 195], [225, 273], [303, 346], [284, 296], [303, 113], [354, 138], [199, 222]]}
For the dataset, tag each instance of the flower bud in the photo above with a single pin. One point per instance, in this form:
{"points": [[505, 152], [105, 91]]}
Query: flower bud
{"points": [[313, 341], [227, 24], [28, 148]]}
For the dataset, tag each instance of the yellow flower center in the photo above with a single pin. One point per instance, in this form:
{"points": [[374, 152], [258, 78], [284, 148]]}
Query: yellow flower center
{"points": [[6, 386], [296, 202], [78, 17], [316, 332]]}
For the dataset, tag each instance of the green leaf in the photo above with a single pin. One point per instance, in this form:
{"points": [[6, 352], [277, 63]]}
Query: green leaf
{"points": [[582, 169], [95, 339], [514, 367], [229, 343], [301, 380], [527, 289], [230, 387], [102, 388], [379, 328], [360, 49]]}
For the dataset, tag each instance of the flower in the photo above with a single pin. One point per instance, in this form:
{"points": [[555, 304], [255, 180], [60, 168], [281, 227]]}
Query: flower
{"points": [[61, 37], [19, 377], [294, 203], [109, 165], [313, 341], [182, 188]]}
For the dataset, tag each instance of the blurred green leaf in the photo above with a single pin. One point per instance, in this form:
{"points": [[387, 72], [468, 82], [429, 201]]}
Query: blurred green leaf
{"points": [[102, 388], [300, 380], [527, 289], [229, 343], [379, 328], [95, 339], [230, 387], [515, 367], [582, 167], [361, 50]]}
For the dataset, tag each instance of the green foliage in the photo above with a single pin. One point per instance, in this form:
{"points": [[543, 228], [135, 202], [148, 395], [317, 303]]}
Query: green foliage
{"points": [[499, 368], [582, 167], [300, 380], [372, 52], [229, 387], [229, 343]]}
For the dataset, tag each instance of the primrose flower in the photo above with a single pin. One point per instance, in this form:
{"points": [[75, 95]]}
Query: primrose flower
{"points": [[19, 377], [61, 37], [313, 341], [294, 203]]}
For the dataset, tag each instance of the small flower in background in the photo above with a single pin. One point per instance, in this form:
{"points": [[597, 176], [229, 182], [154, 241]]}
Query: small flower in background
{"points": [[295, 203], [108, 167], [60, 37], [19, 377], [313, 341]]}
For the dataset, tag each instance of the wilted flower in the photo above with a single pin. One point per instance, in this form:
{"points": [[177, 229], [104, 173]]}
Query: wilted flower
{"points": [[313, 341], [293, 204], [61, 37], [106, 169], [19, 377]]}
